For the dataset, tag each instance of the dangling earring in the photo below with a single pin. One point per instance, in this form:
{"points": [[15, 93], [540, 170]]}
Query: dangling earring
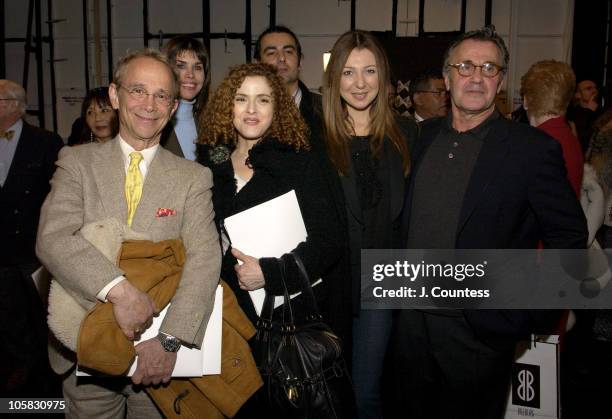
{"points": [[91, 137]]}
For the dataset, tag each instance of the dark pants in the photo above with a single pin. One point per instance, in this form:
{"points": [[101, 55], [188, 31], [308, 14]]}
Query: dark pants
{"points": [[371, 332], [444, 371], [24, 365], [586, 367]]}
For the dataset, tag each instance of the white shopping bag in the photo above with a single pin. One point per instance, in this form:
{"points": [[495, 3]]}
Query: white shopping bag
{"points": [[535, 380]]}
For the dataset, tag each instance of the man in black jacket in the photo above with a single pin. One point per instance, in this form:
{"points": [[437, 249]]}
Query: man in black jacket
{"points": [[280, 47], [27, 163], [478, 181]]}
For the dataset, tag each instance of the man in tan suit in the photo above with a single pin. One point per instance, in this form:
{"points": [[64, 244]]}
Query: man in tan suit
{"points": [[91, 183]]}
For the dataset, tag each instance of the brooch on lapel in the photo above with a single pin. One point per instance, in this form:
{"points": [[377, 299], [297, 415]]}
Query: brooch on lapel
{"points": [[164, 212], [219, 154]]}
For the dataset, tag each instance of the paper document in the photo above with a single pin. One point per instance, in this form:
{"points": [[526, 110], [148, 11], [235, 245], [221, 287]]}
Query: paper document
{"points": [[42, 280], [192, 362], [270, 229]]}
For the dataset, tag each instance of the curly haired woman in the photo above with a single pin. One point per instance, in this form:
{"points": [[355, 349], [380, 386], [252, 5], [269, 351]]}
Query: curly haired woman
{"points": [[255, 142]]}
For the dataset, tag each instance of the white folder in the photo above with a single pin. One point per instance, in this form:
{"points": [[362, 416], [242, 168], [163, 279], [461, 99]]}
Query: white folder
{"points": [[269, 229], [191, 362]]}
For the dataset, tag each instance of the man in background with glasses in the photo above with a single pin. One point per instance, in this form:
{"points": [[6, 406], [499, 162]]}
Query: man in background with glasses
{"points": [[140, 184], [428, 96], [27, 162], [478, 181]]}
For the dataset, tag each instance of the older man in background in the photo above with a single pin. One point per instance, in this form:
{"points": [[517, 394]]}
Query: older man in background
{"points": [[27, 162]]}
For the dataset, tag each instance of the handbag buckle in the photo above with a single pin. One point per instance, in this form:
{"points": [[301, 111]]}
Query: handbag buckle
{"points": [[292, 393], [264, 324], [288, 328]]}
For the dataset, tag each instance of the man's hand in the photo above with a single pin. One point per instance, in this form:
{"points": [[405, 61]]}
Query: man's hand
{"points": [[154, 364], [250, 276], [133, 309]]}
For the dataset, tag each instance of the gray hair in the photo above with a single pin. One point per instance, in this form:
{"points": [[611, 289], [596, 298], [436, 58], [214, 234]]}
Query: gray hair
{"points": [[122, 64], [15, 91], [485, 34]]}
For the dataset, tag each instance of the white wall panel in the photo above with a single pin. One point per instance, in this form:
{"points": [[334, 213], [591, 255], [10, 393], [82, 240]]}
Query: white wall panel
{"points": [[176, 16], [229, 15], [72, 26], [315, 16], [475, 14], [500, 16], [318, 23], [374, 15], [260, 17], [312, 65], [71, 72], [126, 19], [224, 56], [442, 15], [542, 17]]}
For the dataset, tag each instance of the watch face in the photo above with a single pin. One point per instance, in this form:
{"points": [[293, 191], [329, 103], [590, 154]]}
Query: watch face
{"points": [[170, 344]]}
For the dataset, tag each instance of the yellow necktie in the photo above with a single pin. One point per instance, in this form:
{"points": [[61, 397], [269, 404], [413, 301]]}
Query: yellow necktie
{"points": [[7, 135], [133, 185]]}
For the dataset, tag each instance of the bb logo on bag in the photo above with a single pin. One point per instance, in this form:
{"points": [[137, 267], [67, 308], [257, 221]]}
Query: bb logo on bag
{"points": [[526, 385]]}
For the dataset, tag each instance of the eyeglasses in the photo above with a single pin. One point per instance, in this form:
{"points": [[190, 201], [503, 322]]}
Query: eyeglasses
{"points": [[433, 92], [467, 68], [140, 94]]}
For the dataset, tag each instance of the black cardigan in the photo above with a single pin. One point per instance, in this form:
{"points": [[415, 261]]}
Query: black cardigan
{"points": [[277, 170]]}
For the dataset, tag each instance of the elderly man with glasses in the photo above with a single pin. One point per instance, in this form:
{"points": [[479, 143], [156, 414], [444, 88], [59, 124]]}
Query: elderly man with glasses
{"points": [[428, 96], [27, 162], [141, 185], [478, 181]]}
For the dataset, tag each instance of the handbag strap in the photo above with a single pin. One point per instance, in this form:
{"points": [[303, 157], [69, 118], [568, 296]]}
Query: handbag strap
{"points": [[308, 299], [306, 286], [290, 325], [267, 310]]}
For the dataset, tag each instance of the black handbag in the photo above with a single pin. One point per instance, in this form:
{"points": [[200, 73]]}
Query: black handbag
{"points": [[304, 373]]}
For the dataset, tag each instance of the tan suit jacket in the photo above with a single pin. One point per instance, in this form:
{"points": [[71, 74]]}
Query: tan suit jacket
{"points": [[88, 185]]}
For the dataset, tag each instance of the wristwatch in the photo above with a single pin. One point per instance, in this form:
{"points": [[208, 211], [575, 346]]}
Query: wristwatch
{"points": [[169, 342]]}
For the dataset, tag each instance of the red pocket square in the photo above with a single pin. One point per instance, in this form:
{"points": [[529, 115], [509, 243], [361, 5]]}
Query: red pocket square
{"points": [[164, 212]]}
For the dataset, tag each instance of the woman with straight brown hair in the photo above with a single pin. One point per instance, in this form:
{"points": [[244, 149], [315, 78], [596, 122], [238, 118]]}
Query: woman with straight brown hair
{"points": [[367, 146]]}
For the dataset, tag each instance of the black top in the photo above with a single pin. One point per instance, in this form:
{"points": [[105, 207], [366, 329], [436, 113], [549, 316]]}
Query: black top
{"points": [[277, 169], [517, 195], [440, 185], [381, 224], [373, 194], [311, 110]]}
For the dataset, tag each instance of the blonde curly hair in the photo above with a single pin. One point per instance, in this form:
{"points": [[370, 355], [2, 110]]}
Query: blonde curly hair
{"points": [[216, 121]]}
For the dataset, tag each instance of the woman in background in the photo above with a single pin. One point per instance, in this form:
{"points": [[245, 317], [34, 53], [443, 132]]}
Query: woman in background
{"points": [[367, 147], [192, 67], [547, 88], [586, 358], [98, 118]]}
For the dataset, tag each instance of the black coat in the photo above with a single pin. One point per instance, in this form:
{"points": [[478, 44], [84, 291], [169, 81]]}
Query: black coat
{"points": [[517, 196], [311, 108], [277, 170], [348, 208], [23, 193]]}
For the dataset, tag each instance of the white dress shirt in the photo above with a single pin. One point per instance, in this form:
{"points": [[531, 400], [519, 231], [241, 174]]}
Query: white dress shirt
{"points": [[7, 150]]}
